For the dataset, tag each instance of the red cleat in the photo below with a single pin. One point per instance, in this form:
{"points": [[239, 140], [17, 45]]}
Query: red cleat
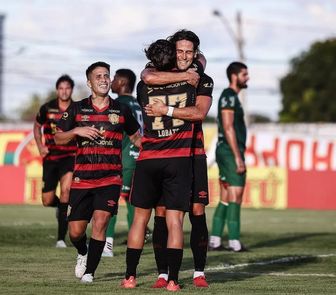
{"points": [[129, 283], [172, 286], [200, 282], [160, 283]]}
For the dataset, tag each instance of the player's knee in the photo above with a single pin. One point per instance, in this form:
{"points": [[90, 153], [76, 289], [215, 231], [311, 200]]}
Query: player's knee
{"points": [[160, 211], [197, 209]]}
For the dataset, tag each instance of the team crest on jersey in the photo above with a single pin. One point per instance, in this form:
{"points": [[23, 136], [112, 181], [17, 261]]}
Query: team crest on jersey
{"points": [[65, 116], [114, 118], [85, 118]]}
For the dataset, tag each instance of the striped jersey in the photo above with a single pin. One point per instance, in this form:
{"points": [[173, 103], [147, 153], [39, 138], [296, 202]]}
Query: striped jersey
{"points": [[205, 88], [98, 162], [48, 116], [166, 137]]}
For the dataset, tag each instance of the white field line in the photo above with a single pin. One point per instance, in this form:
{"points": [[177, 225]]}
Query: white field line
{"points": [[269, 262]]}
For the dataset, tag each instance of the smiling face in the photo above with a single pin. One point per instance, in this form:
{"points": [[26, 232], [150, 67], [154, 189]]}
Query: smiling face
{"points": [[64, 91], [185, 54], [99, 81]]}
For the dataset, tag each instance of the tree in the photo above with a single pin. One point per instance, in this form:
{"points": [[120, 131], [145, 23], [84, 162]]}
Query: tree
{"points": [[309, 88], [28, 113]]}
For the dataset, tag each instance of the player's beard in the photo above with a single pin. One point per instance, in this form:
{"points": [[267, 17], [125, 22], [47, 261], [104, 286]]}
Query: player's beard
{"points": [[242, 85]]}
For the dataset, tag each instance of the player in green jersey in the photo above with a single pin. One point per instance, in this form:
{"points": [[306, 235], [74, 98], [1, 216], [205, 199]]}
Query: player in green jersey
{"points": [[230, 159], [123, 84]]}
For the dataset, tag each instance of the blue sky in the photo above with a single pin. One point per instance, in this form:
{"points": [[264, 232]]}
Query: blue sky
{"points": [[44, 39]]}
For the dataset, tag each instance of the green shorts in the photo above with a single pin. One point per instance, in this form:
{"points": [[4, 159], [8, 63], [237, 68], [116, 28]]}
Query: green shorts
{"points": [[227, 167]]}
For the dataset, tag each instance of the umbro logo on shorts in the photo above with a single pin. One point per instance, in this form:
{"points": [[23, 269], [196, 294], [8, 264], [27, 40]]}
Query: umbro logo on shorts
{"points": [[111, 203], [202, 194]]}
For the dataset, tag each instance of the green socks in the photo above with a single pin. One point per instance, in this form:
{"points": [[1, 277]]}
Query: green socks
{"points": [[111, 227], [233, 217], [218, 220]]}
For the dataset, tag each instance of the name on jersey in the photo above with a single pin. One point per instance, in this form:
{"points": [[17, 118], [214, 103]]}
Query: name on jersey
{"points": [[167, 132]]}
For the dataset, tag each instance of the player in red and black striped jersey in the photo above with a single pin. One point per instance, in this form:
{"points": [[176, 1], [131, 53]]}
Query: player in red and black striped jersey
{"points": [[163, 168], [97, 124], [58, 160], [187, 49]]}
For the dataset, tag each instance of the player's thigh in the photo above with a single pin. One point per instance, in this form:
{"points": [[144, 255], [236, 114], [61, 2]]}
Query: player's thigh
{"points": [[176, 185], [49, 176]]}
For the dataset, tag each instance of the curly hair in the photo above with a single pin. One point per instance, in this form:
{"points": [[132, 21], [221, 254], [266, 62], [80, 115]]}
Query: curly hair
{"points": [[162, 54]]}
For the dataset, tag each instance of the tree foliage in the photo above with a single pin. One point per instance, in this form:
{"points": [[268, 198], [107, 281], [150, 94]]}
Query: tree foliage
{"points": [[309, 89]]}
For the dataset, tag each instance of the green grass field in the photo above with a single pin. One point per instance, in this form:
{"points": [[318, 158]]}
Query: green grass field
{"points": [[291, 252]]}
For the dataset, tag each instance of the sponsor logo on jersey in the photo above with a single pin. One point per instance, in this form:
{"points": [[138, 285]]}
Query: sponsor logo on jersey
{"points": [[208, 85], [114, 118], [87, 110]]}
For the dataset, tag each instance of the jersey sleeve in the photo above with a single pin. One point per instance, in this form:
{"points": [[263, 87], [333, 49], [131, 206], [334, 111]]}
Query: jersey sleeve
{"points": [[41, 116], [68, 119], [131, 124], [205, 86], [227, 101]]}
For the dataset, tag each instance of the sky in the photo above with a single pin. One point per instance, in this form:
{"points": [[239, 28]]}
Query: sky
{"points": [[45, 39]]}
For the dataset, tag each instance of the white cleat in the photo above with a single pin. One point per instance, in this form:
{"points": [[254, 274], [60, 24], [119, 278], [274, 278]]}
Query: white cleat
{"points": [[80, 266], [108, 248], [87, 278], [60, 244], [236, 246]]}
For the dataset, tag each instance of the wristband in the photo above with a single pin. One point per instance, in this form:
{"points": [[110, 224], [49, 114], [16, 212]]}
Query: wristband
{"points": [[170, 112]]}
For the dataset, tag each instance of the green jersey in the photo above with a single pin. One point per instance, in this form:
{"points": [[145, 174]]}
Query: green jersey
{"points": [[229, 101], [129, 151]]}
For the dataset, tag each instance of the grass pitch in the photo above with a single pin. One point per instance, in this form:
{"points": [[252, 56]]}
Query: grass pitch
{"points": [[291, 252]]}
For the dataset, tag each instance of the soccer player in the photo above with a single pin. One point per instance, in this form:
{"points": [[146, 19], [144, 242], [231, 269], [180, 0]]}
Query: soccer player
{"points": [[166, 147], [123, 84], [230, 159], [187, 51], [97, 123], [58, 161]]}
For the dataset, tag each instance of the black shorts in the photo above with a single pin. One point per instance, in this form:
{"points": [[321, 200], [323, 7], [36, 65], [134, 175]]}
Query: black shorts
{"points": [[168, 178], [54, 170], [83, 202], [200, 191]]}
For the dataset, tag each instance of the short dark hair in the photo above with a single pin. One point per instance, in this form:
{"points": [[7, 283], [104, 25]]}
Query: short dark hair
{"points": [[235, 68], [97, 64], [129, 75], [162, 54], [186, 35], [65, 78]]}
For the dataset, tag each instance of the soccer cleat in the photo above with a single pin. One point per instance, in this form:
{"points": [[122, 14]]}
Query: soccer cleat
{"points": [[219, 248], [108, 250], [87, 278], [80, 265], [173, 286], [60, 244], [200, 282], [129, 283], [160, 283], [236, 246]]}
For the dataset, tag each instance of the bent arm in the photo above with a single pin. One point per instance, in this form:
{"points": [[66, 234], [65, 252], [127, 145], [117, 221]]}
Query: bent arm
{"points": [[192, 113], [66, 136], [136, 139], [43, 150]]}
